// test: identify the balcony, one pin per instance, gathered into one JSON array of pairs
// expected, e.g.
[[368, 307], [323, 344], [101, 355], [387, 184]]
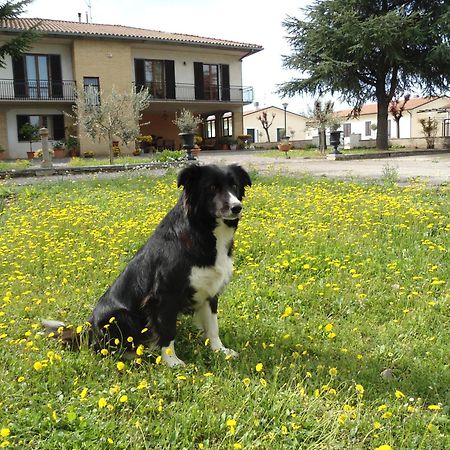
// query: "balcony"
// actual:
[[37, 90], [191, 92]]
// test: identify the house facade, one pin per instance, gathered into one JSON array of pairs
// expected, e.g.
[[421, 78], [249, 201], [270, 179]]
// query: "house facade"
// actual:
[[201, 74], [363, 128], [296, 127]]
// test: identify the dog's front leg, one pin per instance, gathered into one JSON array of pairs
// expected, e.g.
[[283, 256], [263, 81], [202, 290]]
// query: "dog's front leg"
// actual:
[[167, 329], [206, 315]]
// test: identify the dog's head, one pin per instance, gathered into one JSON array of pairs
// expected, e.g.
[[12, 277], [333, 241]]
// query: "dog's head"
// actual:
[[214, 192]]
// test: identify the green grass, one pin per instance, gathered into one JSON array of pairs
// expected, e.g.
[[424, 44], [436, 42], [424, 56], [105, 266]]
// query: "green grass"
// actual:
[[15, 165], [163, 156], [334, 283]]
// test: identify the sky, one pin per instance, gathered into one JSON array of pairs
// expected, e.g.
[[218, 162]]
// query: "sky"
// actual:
[[250, 21]]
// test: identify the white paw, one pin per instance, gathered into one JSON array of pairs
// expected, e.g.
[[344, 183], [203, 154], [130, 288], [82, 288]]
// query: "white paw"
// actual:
[[229, 352], [172, 360]]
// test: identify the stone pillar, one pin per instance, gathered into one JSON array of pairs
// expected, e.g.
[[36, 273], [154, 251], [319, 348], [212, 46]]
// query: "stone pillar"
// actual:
[[46, 157]]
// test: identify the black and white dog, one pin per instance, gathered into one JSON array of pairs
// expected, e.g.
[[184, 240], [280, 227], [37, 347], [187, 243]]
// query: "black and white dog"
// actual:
[[182, 268]]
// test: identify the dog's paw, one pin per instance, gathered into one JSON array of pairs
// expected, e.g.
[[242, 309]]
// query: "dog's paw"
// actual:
[[172, 360], [228, 352]]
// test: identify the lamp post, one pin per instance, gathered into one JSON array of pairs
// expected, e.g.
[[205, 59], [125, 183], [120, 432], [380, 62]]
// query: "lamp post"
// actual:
[[285, 105]]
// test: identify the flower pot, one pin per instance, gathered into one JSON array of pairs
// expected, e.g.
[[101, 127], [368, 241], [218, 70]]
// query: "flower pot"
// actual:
[[187, 139], [30, 155], [58, 153]]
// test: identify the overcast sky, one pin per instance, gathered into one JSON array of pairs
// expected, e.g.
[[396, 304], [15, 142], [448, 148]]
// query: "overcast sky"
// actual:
[[251, 21]]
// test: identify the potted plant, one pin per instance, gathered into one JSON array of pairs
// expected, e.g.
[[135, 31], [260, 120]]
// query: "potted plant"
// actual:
[[197, 149], [144, 142], [29, 133], [187, 122], [285, 146], [223, 142], [72, 146], [58, 149]]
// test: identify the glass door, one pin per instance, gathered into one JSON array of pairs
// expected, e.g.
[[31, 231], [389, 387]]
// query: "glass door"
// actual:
[[37, 76]]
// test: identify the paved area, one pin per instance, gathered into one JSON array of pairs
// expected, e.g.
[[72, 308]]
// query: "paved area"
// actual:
[[434, 169]]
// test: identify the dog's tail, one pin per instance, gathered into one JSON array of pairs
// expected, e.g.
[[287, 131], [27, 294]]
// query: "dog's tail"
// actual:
[[69, 336]]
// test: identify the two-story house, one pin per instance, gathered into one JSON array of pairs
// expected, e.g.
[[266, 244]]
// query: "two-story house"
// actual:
[[201, 74]]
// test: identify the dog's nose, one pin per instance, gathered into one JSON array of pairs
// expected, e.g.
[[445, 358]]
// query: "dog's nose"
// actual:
[[236, 209]]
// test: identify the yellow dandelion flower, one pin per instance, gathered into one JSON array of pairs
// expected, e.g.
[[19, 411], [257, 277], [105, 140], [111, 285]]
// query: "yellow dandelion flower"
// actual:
[[158, 359], [259, 367], [83, 393], [123, 399], [110, 441], [328, 327], [104, 351], [140, 350], [120, 365], [142, 384], [246, 381], [399, 394], [263, 382], [102, 402], [79, 329], [333, 371], [377, 425], [38, 366], [237, 446], [5, 432], [359, 389], [342, 419], [208, 374], [231, 423], [20, 379], [287, 312], [130, 339], [384, 447], [434, 407], [169, 351]]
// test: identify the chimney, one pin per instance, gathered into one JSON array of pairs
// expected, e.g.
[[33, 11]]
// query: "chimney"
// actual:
[[79, 17]]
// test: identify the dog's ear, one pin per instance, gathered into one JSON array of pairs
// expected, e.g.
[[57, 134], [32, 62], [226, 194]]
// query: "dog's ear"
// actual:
[[189, 175], [241, 175]]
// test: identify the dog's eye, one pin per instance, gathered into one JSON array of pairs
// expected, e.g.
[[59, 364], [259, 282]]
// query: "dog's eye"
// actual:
[[234, 187], [213, 188]]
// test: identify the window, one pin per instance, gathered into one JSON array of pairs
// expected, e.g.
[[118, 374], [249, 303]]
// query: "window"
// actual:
[[158, 76], [210, 127], [251, 133], [280, 134], [37, 76], [368, 129], [212, 81], [227, 124], [92, 90], [54, 124], [347, 129]]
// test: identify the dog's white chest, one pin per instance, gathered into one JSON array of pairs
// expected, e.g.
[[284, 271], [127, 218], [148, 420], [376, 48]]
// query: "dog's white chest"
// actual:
[[210, 281]]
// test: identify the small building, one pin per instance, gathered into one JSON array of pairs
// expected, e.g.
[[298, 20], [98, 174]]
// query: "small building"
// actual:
[[295, 124], [409, 126]]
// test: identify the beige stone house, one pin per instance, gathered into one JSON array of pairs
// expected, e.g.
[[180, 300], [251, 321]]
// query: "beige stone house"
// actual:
[[295, 125], [181, 71]]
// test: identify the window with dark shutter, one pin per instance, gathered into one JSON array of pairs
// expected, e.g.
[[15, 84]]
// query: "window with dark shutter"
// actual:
[[225, 82], [170, 78], [58, 127], [56, 76], [139, 74], [21, 121], [18, 66], [198, 76]]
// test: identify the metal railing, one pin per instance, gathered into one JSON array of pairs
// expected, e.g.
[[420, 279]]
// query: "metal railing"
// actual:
[[187, 92], [37, 90]]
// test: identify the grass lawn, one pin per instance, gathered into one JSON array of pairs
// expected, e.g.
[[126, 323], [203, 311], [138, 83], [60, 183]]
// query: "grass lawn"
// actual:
[[335, 283]]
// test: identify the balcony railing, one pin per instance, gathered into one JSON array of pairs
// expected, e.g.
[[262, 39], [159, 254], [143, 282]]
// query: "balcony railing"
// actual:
[[189, 92], [38, 90]]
